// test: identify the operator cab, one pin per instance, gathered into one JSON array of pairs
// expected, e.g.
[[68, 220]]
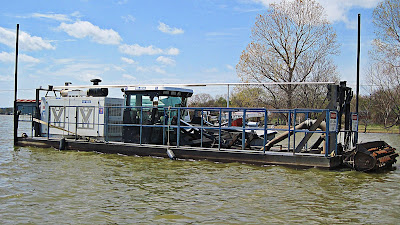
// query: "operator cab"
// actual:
[[149, 105], [157, 96]]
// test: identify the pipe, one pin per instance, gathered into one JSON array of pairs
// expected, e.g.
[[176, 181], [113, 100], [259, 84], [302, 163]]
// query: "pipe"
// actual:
[[304, 125]]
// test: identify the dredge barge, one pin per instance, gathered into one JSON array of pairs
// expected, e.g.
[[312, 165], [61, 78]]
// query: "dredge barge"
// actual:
[[155, 121]]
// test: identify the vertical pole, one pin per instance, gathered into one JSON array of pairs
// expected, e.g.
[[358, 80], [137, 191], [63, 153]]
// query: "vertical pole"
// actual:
[[201, 125], [306, 118], [37, 115], [76, 122], [294, 131], [141, 125], [163, 137], [15, 90], [106, 113], [229, 118], [48, 123], [289, 125], [32, 115], [169, 123], [178, 130], [227, 102], [358, 63], [265, 128], [358, 71], [327, 133], [244, 129], [219, 129]]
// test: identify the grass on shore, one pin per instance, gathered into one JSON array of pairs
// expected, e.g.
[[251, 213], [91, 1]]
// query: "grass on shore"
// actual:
[[374, 128]]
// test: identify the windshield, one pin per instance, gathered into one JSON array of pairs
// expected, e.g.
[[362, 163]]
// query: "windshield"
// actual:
[[163, 101]]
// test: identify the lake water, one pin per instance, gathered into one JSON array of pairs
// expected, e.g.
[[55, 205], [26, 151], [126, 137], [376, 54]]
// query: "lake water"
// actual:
[[47, 186]]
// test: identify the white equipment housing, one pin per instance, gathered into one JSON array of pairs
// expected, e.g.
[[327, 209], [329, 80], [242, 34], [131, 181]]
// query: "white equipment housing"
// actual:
[[82, 115]]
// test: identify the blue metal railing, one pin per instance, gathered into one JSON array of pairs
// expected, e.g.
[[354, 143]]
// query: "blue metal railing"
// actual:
[[226, 115]]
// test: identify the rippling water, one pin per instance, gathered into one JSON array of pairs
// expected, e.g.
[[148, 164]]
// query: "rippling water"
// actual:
[[47, 186]]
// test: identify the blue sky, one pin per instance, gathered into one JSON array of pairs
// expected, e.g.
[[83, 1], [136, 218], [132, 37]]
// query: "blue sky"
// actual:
[[148, 42]]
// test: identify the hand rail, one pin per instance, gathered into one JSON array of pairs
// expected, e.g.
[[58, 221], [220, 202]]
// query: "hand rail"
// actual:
[[221, 114]]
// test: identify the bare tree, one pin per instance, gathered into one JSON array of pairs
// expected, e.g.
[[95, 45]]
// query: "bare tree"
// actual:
[[201, 100], [290, 41], [366, 108], [385, 71], [386, 18], [206, 100], [315, 96], [386, 80]]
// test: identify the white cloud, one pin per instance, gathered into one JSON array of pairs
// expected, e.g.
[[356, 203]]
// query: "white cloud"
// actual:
[[118, 68], [76, 14], [265, 2], [337, 10], [230, 67], [129, 77], [82, 29], [128, 18], [82, 71], [6, 78], [159, 70], [137, 50], [128, 60], [53, 16], [26, 41], [88, 76], [171, 51], [122, 2], [6, 57], [64, 61], [165, 60], [34, 76], [169, 30], [211, 70], [10, 57], [29, 59], [152, 69]]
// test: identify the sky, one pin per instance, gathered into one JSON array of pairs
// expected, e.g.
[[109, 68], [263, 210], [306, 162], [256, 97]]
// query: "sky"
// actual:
[[149, 42]]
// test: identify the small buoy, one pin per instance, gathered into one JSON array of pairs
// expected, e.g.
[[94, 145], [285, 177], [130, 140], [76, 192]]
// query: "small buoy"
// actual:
[[24, 135], [170, 154], [62, 144]]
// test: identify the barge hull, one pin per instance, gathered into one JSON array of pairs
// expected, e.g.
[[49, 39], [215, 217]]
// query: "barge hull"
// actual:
[[223, 155]]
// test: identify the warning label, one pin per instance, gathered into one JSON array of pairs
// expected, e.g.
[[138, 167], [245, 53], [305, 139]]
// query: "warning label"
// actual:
[[354, 122], [332, 121]]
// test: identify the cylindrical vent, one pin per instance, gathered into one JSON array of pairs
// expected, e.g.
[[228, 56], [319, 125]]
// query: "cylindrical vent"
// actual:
[[97, 92], [64, 93], [95, 81]]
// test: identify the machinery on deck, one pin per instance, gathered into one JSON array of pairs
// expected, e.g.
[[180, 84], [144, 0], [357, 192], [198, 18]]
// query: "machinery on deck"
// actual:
[[159, 106], [368, 156], [376, 155], [157, 115]]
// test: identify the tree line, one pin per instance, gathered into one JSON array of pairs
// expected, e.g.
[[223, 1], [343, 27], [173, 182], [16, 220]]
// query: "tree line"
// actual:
[[294, 42], [383, 105], [6, 111]]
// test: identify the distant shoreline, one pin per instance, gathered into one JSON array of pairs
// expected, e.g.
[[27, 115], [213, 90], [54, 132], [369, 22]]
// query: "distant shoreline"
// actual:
[[6, 111]]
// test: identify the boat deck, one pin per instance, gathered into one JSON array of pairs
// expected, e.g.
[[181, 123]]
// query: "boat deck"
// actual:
[[184, 152]]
